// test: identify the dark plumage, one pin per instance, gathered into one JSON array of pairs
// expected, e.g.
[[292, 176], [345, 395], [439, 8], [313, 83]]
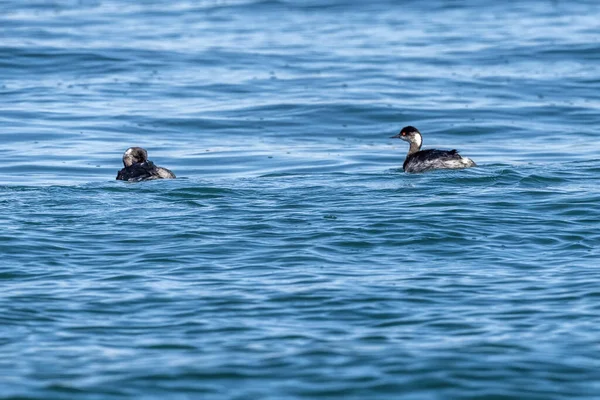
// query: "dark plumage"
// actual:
[[425, 155], [138, 168]]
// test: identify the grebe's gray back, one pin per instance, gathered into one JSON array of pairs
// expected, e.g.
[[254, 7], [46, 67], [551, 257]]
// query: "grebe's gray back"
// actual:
[[137, 167], [418, 160]]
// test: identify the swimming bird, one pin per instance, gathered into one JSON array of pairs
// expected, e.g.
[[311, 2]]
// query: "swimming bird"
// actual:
[[138, 168], [418, 160]]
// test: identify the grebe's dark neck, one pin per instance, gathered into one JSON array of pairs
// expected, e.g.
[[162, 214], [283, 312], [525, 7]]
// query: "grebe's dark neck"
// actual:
[[414, 147], [415, 143]]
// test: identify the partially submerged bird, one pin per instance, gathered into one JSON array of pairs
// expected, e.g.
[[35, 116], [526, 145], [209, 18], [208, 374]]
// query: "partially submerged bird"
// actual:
[[138, 168], [418, 160]]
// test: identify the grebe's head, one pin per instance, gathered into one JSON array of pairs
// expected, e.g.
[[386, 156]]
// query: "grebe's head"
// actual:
[[410, 134], [134, 155]]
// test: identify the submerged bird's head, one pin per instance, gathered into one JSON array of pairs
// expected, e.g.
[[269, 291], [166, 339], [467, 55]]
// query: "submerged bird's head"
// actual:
[[411, 135], [134, 155]]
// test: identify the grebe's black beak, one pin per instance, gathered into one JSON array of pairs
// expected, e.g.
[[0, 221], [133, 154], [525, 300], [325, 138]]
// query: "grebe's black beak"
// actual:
[[398, 136]]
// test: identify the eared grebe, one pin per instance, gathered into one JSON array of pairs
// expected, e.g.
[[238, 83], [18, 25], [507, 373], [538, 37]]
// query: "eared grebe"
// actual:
[[138, 168], [418, 160]]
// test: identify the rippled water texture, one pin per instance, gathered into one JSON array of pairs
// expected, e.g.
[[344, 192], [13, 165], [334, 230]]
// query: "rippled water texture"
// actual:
[[292, 257]]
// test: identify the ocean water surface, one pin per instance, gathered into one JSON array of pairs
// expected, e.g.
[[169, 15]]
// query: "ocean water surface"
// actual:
[[292, 258]]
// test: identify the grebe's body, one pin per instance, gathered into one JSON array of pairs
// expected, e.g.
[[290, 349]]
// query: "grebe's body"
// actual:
[[138, 168], [418, 160]]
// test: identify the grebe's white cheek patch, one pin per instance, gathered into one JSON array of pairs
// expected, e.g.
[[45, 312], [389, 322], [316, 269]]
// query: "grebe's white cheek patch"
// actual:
[[418, 140], [128, 152]]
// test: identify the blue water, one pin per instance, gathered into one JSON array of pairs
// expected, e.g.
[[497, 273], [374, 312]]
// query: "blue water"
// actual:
[[292, 258]]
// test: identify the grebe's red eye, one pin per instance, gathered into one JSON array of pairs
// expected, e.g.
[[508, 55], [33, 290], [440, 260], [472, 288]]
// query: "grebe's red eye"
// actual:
[[403, 133]]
